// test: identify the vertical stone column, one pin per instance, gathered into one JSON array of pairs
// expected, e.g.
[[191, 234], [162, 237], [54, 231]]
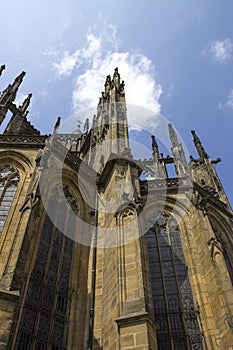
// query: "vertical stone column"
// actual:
[[137, 328]]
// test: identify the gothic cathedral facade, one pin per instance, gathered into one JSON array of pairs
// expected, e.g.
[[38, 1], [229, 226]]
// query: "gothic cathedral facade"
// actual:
[[102, 251]]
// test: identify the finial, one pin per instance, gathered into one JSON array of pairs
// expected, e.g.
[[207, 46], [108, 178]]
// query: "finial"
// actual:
[[116, 78], [107, 84], [56, 126], [2, 69], [200, 149], [25, 104]]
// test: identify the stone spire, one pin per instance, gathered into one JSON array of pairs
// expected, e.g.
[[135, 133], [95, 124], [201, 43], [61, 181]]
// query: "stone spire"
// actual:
[[18, 81], [113, 89], [178, 153], [173, 136], [86, 126], [155, 147], [110, 125], [200, 149], [8, 96], [159, 167]]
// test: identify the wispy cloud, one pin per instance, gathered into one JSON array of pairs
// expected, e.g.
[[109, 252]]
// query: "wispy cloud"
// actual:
[[221, 51], [229, 102], [98, 58]]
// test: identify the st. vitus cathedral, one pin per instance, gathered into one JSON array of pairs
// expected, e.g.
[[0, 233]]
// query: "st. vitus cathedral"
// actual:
[[100, 250]]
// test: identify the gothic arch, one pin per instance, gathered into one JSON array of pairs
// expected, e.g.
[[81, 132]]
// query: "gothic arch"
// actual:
[[17, 158], [20, 168]]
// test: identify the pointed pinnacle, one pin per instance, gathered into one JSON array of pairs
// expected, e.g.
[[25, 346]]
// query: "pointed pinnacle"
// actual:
[[86, 125], [200, 149], [116, 77], [25, 104], [17, 82], [173, 136], [56, 126], [155, 147], [20, 77], [2, 69]]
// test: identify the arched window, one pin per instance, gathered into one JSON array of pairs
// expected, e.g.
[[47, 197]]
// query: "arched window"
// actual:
[[171, 291], [44, 318], [9, 179]]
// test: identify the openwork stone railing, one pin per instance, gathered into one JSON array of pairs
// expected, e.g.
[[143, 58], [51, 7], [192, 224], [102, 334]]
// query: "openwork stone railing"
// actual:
[[172, 183], [25, 141]]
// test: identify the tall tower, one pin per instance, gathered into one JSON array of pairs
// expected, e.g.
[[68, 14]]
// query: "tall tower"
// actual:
[[95, 256]]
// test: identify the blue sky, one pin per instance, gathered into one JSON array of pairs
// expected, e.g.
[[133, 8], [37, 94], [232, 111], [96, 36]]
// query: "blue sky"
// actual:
[[176, 57]]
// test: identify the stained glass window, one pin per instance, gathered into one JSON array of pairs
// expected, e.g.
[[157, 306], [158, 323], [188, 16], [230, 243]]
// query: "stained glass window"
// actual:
[[171, 290], [9, 179], [44, 319]]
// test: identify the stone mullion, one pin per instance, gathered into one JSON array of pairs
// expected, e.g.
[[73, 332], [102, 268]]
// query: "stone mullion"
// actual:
[[178, 289], [164, 287]]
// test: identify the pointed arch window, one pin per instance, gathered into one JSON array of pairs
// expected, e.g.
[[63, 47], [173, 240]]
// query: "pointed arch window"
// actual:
[[9, 179], [48, 299], [171, 290]]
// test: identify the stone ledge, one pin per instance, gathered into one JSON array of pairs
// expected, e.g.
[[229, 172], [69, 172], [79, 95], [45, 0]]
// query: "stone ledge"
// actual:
[[9, 295], [136, 318]]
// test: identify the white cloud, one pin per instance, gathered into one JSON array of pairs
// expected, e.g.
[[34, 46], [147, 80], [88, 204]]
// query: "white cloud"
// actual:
[[43, 94], [98, 58], [222, 51], [229, 102], [73, 60]]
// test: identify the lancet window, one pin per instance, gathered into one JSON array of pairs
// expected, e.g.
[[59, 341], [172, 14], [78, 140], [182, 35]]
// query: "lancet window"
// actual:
[[9, 179], [44, 319], [171, 290]]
